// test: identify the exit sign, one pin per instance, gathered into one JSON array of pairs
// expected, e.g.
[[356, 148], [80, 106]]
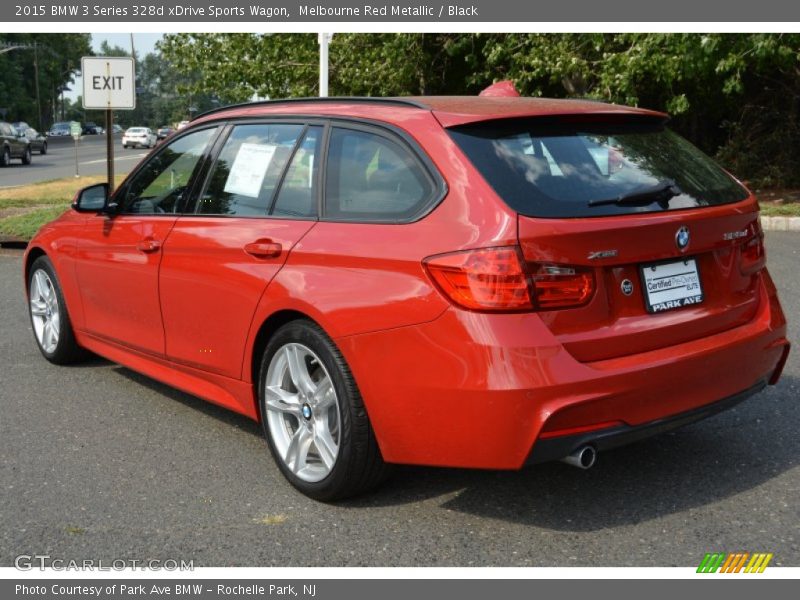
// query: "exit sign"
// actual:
[[108, 82]]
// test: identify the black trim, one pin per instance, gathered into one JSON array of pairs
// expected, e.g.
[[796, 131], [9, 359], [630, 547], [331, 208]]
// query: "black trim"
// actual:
[[555, 448], [322, 176], [317, 100], [209, 160], [286, 167], [386, 130]]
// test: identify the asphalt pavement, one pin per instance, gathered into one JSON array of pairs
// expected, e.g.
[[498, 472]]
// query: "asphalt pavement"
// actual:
[[98, 462], [60, 161]]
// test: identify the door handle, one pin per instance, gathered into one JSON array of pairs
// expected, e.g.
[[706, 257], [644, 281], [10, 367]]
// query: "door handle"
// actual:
[[263, 249], [148, 245]]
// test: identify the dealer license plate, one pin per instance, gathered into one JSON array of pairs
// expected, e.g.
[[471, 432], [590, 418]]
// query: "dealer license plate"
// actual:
[[671, 285]]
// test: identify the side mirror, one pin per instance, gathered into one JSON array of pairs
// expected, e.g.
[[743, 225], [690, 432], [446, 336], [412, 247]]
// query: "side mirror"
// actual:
[[93, 199]]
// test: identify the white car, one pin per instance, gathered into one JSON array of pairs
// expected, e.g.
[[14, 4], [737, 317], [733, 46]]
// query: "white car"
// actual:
[[139, 136], [183, 124], [59, 130]]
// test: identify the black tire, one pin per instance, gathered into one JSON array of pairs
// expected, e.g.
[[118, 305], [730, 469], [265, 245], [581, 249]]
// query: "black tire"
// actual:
[[5, 158], [359, 466], [67, 350], [43, 149], [27, 156]]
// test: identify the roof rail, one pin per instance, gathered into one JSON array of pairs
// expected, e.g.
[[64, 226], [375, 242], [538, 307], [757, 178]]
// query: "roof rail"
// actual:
[[360, 99]]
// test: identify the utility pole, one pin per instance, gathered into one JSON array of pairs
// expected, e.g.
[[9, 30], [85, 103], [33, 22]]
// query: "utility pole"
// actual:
[[323, 39], [36, 80]]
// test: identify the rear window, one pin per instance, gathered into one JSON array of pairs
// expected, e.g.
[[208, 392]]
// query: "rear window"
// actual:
[[583, 170]]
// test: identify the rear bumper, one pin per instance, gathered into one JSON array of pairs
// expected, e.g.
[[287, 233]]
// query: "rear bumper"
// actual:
[[485, 390], [555, 448]]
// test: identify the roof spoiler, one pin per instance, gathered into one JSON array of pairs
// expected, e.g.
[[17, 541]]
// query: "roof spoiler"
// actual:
[[501, 89]]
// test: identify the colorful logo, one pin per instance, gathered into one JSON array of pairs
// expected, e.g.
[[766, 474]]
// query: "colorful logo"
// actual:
[[721, 562]]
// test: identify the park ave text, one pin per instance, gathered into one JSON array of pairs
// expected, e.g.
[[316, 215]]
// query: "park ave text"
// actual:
[[177, 589], [255, 11]]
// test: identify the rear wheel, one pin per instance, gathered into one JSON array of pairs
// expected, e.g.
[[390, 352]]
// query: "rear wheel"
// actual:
[[27, 156], [5, 157], [314, 418], [49, 319], [44, 148]]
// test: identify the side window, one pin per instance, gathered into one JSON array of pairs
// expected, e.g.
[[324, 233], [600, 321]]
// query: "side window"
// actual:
[[160, 186], [298, 194], [248, 169], [371, 177]]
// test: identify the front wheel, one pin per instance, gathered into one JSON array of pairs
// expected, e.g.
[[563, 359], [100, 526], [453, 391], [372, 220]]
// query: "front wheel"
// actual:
[[5, 158], [44, 149], [27, 156], [314, 418], [49, 319]]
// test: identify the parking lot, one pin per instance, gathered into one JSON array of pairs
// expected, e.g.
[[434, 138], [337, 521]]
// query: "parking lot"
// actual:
[[98, 462], [60, 161]]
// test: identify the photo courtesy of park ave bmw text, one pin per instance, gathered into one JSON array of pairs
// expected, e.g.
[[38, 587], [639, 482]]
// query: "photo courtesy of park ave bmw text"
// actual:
[[343, 299]]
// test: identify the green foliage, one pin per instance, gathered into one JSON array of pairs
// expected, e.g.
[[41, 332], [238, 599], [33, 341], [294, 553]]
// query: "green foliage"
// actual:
[[58, 56], [25, 225], [734, 95]]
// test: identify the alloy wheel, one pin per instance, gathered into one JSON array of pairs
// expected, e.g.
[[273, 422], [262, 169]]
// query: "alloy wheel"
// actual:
[[303, 415], [45, 314]]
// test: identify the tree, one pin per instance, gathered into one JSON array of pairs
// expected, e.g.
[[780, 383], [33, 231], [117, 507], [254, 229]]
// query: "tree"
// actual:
[[57, 56], [736, 95]]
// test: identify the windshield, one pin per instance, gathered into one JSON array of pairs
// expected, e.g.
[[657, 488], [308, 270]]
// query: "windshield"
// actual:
[[584, 170], [136, 130]]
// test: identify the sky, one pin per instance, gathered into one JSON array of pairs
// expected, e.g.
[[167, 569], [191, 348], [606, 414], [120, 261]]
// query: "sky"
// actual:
[[144, 43]]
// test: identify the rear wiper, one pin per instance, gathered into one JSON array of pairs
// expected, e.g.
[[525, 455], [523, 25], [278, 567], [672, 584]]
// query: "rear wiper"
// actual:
[[660, 192]]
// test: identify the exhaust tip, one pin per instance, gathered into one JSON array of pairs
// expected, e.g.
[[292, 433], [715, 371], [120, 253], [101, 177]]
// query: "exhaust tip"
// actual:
[[583, 458]]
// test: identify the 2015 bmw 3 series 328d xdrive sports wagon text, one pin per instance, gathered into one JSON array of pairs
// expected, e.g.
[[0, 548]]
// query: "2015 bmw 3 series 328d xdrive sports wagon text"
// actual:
[[484, 282]]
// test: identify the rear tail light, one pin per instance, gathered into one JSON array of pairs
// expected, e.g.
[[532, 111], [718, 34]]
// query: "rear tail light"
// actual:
[[498, 279], [752, 253], [558, 286]]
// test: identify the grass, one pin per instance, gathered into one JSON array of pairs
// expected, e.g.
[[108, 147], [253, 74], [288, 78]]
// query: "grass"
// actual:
[[789, 209], [25, 208], [25, 225]]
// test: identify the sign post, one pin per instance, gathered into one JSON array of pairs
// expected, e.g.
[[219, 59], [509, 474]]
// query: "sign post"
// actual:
[[75, 132], [109, 83]]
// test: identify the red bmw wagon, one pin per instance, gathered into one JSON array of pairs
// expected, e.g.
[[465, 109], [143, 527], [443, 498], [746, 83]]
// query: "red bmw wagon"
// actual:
[[484, 282]]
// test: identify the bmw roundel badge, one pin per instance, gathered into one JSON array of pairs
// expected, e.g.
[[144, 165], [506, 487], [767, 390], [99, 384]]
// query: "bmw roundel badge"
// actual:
[[682, 238]]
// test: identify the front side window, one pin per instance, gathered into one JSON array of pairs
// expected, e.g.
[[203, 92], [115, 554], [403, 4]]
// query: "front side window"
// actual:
[[248, 170], [371, 177], [162, 184]]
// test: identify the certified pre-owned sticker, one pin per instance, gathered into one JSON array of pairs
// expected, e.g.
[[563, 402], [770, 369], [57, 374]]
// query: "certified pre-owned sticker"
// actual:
[[671, 285]]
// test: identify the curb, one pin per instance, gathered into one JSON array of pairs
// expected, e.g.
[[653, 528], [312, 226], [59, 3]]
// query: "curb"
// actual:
[[780, 223], [7, 241]]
